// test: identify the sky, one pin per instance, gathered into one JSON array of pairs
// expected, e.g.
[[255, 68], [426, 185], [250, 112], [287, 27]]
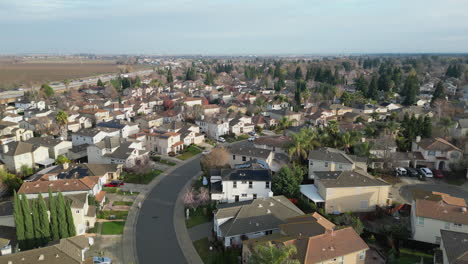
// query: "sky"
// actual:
[[233, 27]]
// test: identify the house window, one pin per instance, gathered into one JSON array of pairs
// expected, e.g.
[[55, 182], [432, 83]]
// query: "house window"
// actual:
[[457, 225], [244, 158], [250, 185], [267, 185], [77, 211], [254, 196], [311, 163], [234, 184], [362, 255], [364, 204], [431, 153], [454, 155], [233, 157], [326, 164], [447, 225], [340, 166], [244, 182], [420, 220], [244, 195]]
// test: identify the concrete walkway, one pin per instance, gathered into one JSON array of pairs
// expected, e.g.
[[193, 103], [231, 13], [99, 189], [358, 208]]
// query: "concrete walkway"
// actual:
[[201, 231], [129, 250]]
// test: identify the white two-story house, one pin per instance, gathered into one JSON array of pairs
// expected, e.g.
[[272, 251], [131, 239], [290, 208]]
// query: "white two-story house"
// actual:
[[433, 212], [435, 153], [213, 127], [234, 185]]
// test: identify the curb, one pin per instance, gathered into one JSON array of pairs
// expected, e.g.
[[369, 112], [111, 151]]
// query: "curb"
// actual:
[[129, 238], [183, 237]]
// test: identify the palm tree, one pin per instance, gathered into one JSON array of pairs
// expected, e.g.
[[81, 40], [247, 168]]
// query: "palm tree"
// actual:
[[261, 103], [311, 138], [284, 123], [348, 140], [446, 123], [62, 121], [298, 147], [391, 128], [374, 115], [271, 254]]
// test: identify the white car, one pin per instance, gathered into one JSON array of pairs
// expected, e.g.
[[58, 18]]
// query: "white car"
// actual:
[[251, 139], [102, 260], [221, 139], [426, 172], [400, 171]]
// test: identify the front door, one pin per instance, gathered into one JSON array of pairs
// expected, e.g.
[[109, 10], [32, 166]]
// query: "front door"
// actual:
[[236, 198]]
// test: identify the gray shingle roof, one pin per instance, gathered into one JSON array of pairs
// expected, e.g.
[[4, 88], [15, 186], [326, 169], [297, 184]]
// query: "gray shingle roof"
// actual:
[[456, 246], [246, 175], [330, 154], [337, 179]]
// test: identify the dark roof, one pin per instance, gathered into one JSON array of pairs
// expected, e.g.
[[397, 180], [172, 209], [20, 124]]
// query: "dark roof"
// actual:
[[330, 154], [274, 141], [77, 171], [118, 124], [436, 144], [250, 151], [456, 246], [45, 141], [217, 187], [246, 175], [337, 179]]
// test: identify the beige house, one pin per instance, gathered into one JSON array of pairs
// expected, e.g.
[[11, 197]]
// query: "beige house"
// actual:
[[149, 121], [316, 241], [242, 154], [347, 191], [55, 146], [164, 143], [432, 212], [435, 153], [330, 159], [16, 154]]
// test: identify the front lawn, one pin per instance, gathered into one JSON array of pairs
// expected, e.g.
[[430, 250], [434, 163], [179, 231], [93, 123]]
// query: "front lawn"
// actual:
[[112, 215], [140, 178], [217, 255], [113, 228], [125, 203], [189, 152], [198, 217], [231, 139]]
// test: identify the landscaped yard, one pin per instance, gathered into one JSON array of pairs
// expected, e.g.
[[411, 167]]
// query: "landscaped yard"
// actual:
[[189, 152], [118, 191], [214, 256], [112, 215], [140, 178], [197, 217], [231, 139], [163, 161], [113, 228], [126, 203]]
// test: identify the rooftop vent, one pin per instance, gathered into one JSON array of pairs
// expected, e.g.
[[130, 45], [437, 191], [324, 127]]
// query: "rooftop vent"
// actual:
[[260, 205], [268, 211], [463, 209], [271, 204], [41, 257]]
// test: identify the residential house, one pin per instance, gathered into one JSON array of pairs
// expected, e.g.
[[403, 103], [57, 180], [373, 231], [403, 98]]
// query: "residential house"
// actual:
[[347, 191], [329, 159], [295, 117], [235, 185], [96, 115], [113, 150], [190, 101], [317, 241], [55, 146], [25, 104], [149, 121], [93, 135], [17, 154], [454, 247], [252, 219], [240, 153], [211, 109], [461, 129], [432, 212], [213, 127], [66, 251], [126, 128], [241, 125], [277, 144], [435, 153], [165, 143]]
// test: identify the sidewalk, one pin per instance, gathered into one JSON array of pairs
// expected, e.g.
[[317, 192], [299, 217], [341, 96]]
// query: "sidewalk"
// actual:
[[128, 240], [200, 231]]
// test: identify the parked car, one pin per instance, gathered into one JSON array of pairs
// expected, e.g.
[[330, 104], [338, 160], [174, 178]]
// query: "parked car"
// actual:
[[114, 184], [102, 260], [252, 133], [221, 139], [400, 171], [437, 174], [251, 139], [426, 172], [171, 154], [411, 172]]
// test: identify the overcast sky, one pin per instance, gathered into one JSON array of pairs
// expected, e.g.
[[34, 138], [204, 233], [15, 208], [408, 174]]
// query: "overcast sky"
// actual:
[[233, 26]]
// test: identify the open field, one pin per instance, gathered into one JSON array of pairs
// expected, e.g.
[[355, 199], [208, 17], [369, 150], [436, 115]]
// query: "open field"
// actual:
[[14, 73]]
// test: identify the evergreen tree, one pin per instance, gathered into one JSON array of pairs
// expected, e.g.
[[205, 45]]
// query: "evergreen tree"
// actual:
[[37, 223], [169, 77], [411, 89], [54, 224], [61, 216], [373, 91], [298, 75], [47, 90], [70, 223], [100, 83], [361, 84], [28, 223], [44, 219], [190, 75], [19, 221], [438, 92], [427, 127]]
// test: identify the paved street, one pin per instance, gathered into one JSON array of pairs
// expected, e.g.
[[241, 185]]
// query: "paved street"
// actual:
[[405, 191], [155, 233]]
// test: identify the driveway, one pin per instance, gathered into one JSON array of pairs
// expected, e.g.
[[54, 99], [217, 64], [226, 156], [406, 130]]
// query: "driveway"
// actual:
[[155, 234], [405, 191]]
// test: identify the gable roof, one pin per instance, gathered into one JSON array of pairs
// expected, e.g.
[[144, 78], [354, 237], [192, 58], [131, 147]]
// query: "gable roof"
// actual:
[[246, 175], [340, 179], [330, 154], [441, 206], [436, 144], [456, 246], [71, 185]]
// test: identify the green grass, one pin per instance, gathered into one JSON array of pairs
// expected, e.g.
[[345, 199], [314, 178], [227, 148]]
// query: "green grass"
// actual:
[[199, 217], [113, 228], [229, 256], [140, 178], [230, 139], [118, 191], [94, 229], [118, 215], [189, 152], [409, 256], [167, 162], [122, 203]]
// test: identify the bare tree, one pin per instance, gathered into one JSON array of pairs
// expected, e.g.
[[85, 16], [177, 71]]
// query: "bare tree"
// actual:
[[218, 158]]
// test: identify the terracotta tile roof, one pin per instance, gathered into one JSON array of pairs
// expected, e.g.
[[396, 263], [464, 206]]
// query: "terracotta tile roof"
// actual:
[[437, 144], [56, 186], [448, 209], [178, 143], [100, 196], [90, 181]]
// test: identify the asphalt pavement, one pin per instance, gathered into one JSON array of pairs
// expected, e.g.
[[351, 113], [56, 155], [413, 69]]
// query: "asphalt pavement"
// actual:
[[156, 240]]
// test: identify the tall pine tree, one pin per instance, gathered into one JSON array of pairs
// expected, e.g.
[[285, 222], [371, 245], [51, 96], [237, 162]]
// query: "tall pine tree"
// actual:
[[373, 91], [61, 216], [38, 235], [438, 92], [19, 221], [169, 77], [70, 223], [44, 220], [54, 224], [28, 223]]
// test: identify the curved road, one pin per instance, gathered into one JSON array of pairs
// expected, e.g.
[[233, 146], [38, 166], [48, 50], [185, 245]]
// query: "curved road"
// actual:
[[156, 240]]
